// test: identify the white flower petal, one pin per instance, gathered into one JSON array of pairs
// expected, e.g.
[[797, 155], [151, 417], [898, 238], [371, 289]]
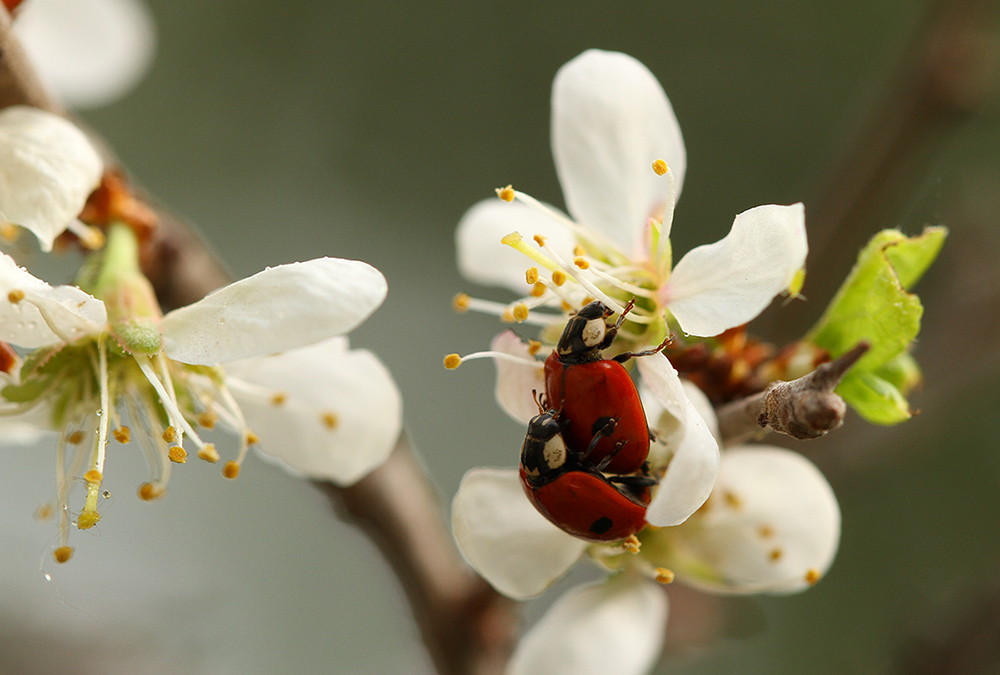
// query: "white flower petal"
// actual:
[[90, 52], [616, 626], [340, 415], [72, 312], [718, 286], [773, 525], [505, 539], [484, 260], [516, 381], [695, 459], [281, 308], [610, 122], [48, 168]]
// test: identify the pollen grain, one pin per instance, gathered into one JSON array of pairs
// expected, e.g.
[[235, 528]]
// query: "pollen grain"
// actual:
[[63, 554]]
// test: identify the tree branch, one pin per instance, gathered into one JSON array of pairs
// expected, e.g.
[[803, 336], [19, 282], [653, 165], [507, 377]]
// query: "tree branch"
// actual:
[[19, 83], [467, 626], [804, 408]]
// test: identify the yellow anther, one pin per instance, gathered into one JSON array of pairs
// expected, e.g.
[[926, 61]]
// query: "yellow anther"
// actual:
[[63, 554], [558, 277], [170, 434], [507, 317], [209, 453], [44, 512], [93, 476], [9, 231], [92, 239], [506, 193], [75, 437], [732, 501], [660, 167], [15, 296], [812, 576], [87, 519], [775, 555], [452, 361], [579, 250], [520, 312], [566, 307], [460, 303], [664, 576], [512, 239], [538, 290], [765, 531], [581, 262], [122, 434], [207, 419], [252, 437], [279, 398], [231, 470], [330, 419], [534, 346], [148, 492], [531, 275], [539, 239], [177, 454], [631, 543]]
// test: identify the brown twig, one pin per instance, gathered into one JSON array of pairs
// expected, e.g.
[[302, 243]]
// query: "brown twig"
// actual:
[[19, 83], [804, 408], [467, 626]]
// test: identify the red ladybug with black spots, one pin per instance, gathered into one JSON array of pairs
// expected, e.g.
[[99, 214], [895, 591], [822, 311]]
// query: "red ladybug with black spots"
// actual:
[[572, 492], [589, 390]]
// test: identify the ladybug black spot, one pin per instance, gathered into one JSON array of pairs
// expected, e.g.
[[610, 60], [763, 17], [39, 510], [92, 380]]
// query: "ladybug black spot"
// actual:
[[601, 525]]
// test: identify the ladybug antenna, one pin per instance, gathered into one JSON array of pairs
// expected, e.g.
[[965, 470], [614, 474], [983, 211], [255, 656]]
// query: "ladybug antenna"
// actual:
[[540, 401]]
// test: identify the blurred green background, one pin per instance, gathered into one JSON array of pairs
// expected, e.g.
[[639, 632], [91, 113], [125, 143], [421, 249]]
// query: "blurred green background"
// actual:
[[291, 130]]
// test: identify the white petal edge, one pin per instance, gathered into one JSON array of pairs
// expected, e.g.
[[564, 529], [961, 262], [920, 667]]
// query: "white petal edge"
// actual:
[[610, 121], [323, 379], [505, 539], [91, 52], [694, 465], [718, 286], [73, 313], [616, 626], [281, 308], [48, 168], [516, 381], [481, 257], [768, 499]]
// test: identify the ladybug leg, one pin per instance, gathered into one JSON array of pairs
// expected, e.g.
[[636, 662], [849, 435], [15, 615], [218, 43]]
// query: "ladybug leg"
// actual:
[[611, 455], [625, 356], [601, 431], [633, 481]]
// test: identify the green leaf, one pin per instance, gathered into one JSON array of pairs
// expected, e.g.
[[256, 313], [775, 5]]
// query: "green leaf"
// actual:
[[874, 304], [873, 398]]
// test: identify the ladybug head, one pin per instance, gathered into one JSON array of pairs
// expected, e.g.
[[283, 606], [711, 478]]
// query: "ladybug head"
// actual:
[[585, 333], [543, 453]]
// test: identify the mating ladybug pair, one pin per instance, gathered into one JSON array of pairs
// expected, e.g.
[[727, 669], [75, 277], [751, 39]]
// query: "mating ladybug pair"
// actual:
[[591, 423]]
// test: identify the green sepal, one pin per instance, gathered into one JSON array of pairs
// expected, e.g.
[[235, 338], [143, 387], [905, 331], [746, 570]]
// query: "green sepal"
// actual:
[[874, 304]]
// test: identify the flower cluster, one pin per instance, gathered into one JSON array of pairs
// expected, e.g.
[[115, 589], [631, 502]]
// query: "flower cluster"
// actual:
[[748, 519], [264, 357]]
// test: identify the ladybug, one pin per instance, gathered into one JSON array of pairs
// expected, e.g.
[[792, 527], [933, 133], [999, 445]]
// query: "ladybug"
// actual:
[[571, 492], [589, 390]]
